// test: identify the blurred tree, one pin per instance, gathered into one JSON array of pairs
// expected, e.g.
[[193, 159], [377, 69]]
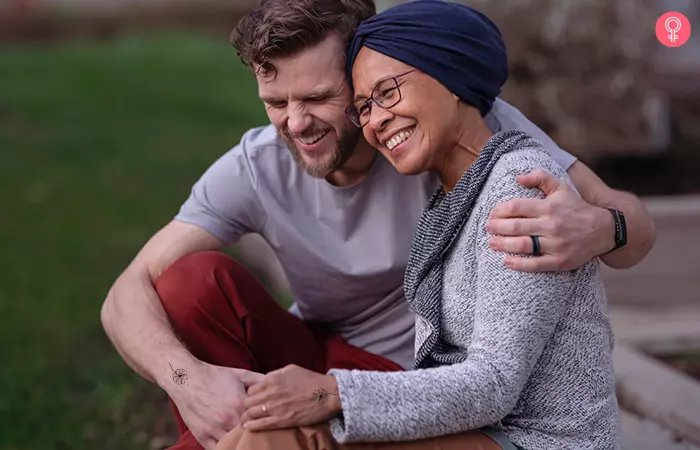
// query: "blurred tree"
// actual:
[[584, 70]]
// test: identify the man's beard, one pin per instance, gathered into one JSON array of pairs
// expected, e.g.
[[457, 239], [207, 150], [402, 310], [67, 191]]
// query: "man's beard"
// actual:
[[341, 152]]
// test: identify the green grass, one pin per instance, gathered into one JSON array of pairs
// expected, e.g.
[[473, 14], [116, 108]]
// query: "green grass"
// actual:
[[99, 143]]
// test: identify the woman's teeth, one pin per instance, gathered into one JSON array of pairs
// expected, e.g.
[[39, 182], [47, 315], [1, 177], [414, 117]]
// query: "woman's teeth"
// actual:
[[309, 140], [399, 138]]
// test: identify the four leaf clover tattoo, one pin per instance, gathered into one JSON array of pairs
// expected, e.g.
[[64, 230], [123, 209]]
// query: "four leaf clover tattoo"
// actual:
[[321, 395], [179, 375]]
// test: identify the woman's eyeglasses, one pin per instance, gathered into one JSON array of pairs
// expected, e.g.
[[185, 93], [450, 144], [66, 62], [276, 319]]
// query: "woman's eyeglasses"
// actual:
[[385, 94]]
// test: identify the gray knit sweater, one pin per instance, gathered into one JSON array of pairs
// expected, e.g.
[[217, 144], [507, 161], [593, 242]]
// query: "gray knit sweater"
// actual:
[[527, 353]]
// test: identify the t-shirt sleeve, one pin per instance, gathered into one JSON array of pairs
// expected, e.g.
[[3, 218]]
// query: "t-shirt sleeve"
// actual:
[[224, 201], [511, 118]]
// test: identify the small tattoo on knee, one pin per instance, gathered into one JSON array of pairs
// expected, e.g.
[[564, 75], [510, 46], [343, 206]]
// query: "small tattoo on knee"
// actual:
[[179, 375], [321, 395]]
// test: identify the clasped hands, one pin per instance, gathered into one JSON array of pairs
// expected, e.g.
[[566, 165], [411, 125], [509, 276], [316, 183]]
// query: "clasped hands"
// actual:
[[216, 399], [290, 397]]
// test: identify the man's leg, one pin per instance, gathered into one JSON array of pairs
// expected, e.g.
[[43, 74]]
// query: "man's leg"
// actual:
[[224, 316]]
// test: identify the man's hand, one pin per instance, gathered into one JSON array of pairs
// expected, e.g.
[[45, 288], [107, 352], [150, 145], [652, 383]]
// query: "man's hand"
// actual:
[[291, 397], [211, 400], [571, 231]]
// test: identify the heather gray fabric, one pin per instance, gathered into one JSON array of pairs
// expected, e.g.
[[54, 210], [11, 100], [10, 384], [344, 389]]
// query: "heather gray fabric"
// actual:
[[529, 354], [344, 249]]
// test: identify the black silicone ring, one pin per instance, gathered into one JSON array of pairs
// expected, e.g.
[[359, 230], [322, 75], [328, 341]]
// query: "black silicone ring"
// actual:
[[535, 246]]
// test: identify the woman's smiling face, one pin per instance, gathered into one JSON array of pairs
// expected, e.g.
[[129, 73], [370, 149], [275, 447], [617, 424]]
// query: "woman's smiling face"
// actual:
[[416, 131]]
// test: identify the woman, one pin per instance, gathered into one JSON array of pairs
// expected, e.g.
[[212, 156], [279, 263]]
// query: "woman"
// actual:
[[522, 357]]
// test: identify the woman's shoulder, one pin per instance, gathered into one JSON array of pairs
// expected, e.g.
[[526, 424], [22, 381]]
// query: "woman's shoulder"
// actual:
[[529, 154], [502, 184]]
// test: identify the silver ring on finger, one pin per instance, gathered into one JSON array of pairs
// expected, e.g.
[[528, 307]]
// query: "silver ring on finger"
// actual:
[[536, 246]]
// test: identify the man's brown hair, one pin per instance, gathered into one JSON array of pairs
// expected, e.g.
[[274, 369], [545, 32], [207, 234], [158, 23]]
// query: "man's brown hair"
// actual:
[[281, 28]]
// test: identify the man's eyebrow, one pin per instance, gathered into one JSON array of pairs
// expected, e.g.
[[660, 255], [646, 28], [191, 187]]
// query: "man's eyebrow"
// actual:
[[322, 93], [271, 99]]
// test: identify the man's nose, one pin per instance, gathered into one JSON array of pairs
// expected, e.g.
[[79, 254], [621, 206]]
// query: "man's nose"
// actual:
[[299, 121]]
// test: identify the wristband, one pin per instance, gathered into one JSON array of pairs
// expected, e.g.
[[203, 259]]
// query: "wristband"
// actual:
[[620, 228]]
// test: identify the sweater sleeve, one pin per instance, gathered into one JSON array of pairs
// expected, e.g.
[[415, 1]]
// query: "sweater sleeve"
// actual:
[[515, 315]]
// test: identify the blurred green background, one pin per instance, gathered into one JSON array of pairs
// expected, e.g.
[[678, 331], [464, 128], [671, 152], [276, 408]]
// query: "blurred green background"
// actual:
[[100, 142]]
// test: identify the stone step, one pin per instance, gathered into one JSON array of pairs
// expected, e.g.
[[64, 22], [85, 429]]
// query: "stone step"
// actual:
[[642, 434], [655, 391]]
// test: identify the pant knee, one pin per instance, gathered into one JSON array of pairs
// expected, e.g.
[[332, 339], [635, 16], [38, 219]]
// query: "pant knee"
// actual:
[[191, 285]]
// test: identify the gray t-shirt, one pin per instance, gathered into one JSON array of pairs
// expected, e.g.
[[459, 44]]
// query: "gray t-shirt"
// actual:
[[344, 249]]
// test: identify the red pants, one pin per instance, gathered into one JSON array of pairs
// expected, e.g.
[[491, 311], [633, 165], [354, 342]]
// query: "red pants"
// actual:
[[224, 316]]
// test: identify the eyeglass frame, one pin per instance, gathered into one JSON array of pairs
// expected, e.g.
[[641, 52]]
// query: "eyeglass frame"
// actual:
[[371, 99]]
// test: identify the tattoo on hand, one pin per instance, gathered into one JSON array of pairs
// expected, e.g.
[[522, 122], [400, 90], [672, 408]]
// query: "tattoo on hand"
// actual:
[[321, 395], [179, 375]]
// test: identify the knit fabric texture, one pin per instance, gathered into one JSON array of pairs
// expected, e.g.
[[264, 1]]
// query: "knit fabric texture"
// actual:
[[529, 354]]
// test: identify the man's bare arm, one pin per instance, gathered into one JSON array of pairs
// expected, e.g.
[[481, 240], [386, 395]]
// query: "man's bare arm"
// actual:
[[641, 231], [572, 228], [211, 400], [132, 314]]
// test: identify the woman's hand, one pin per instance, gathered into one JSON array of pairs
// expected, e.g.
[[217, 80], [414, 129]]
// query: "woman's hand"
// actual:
[[290, 397]]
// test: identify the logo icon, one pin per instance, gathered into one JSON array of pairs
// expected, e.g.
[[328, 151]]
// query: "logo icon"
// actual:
[[673, 29]]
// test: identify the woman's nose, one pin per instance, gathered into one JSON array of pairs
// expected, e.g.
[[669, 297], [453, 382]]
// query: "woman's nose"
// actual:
[[379, 117]]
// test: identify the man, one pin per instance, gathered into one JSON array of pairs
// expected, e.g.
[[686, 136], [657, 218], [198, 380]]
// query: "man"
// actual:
[[341, 221]]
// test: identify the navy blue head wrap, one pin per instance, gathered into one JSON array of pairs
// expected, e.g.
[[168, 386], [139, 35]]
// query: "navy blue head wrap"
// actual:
[[456, 45]]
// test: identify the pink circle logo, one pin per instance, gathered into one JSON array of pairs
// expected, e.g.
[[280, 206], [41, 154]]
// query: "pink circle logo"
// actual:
[[673, 29]]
